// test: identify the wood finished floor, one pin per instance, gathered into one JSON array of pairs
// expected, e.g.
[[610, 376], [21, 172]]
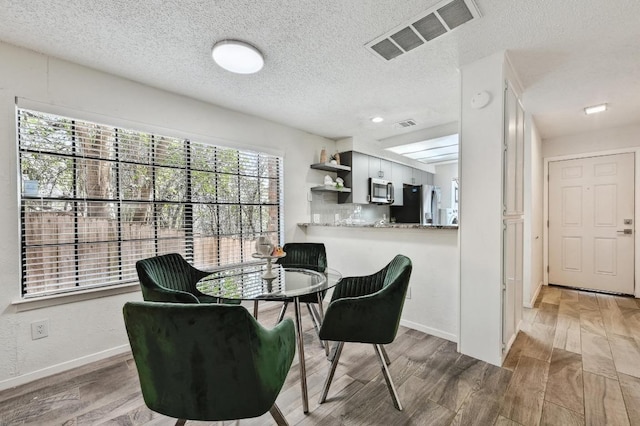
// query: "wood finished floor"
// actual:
[[576, 362]]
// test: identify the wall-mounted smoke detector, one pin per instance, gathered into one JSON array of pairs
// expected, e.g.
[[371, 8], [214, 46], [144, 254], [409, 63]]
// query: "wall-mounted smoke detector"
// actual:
[[405, 123], [440, 19]]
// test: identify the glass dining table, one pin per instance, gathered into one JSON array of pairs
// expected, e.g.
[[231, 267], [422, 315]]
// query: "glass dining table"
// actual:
[[252, 283]]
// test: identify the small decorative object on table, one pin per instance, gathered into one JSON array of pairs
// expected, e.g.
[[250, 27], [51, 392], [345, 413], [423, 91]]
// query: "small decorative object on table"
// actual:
[[328, 180], [266, 250], [339, 183], [323, 156], [264, 245]]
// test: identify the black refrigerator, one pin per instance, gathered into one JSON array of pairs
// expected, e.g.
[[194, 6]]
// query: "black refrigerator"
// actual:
[[409, 212]]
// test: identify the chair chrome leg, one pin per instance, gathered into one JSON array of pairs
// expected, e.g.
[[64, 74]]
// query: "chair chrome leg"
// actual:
[[278, 416], [387, 377], [384, 354], [314, 317], [332, 371], [303, 369], [332, 353], [283, 310], [321, 316], [317, 322], [255, 309]]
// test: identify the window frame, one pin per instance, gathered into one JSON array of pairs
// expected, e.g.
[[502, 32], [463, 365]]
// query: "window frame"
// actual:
[[189, 204]]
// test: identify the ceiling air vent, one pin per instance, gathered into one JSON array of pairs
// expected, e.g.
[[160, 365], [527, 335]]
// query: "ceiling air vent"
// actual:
[[406, 123], [439, 20]]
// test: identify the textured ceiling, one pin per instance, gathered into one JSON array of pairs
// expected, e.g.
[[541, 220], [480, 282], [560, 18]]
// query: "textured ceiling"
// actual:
[[319, 77]]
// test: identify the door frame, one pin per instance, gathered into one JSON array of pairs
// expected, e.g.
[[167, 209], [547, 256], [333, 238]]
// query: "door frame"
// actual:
[[636, 213]]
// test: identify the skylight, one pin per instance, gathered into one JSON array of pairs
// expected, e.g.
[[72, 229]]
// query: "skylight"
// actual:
[[430, 151]]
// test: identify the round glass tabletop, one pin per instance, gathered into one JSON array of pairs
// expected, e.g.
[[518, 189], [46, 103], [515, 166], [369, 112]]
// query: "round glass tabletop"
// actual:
[[248, 282]]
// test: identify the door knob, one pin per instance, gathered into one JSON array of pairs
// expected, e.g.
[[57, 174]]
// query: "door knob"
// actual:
[[626, 231]]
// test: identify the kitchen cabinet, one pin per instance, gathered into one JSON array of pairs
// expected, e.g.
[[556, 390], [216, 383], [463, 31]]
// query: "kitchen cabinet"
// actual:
[[417, 177], [398, 173], [379, 168], [408, 176], [357, 178], [360, 167]]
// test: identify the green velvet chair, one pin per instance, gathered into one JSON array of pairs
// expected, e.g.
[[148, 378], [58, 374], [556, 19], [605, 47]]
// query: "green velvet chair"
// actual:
[[367, 310], [170, 278], [308, 256], [209, 362]]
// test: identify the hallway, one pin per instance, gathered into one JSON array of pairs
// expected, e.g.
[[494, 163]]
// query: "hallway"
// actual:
[[576, 361]]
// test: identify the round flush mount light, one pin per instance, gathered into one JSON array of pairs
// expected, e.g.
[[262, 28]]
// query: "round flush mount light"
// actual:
[[237, 56], [377, 120]]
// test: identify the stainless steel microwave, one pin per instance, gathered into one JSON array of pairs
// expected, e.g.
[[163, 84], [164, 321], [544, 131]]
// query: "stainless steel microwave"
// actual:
[[380, 191]]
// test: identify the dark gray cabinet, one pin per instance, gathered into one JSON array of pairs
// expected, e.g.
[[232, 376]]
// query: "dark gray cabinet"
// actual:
[[357, 178]]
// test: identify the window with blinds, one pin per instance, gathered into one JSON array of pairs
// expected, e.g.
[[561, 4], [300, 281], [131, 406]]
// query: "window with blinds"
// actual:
[[97, 198]]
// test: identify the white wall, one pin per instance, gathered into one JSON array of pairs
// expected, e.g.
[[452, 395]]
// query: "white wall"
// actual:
[[86, 330], [433, 306], [594, 141], [445, 173], [480, 202], [533, 213]]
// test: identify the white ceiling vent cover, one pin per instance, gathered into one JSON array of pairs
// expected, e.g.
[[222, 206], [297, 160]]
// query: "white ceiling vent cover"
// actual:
[[440, 19], [405, 123]]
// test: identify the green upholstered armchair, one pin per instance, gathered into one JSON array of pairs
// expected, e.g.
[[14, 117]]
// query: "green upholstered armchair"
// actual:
[[308, 256], [170, 278], [367, 310], [209, 362]]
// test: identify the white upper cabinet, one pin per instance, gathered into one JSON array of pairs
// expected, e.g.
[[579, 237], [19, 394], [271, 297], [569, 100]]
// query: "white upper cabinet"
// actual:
[[379, 168], [398, 173]]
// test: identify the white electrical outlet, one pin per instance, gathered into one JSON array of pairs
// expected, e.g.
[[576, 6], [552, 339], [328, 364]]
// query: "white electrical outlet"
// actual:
[[39, 329], [408, 295]]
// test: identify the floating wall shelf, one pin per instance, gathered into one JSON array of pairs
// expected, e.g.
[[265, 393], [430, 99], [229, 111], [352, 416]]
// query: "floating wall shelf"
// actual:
[[328, 167], [330, 188]]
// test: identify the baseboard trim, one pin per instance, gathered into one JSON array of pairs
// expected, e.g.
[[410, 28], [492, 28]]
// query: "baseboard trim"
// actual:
[[62, 367], [531, 302], [429, 330]]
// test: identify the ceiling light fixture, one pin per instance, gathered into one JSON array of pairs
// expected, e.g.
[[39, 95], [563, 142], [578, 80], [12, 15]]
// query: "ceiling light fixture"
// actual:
[[377, 120], [595, 109], [237, 56]]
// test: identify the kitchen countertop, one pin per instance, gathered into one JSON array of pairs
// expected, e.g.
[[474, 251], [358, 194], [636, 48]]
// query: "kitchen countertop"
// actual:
[[387, 225]]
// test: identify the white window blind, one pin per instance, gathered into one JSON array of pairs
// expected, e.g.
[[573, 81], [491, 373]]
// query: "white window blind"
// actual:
[[96, 198]]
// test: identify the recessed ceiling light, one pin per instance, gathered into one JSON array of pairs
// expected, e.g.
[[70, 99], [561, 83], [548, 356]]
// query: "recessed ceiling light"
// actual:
[[377, 119], [595, 109], [237, 56]]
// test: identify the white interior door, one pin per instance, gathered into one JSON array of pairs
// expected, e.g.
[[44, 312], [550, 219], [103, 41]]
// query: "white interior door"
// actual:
[[591, 230]]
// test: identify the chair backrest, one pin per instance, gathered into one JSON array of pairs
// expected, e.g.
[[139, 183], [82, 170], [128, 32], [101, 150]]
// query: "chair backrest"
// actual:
[[399, 269], [206, 361], [394, 287], [304, 255], [169, 271], [367, 309]]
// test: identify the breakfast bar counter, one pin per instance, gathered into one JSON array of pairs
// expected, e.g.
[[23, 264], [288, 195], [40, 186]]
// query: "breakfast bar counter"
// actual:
[[383, 226], [431, 305]]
